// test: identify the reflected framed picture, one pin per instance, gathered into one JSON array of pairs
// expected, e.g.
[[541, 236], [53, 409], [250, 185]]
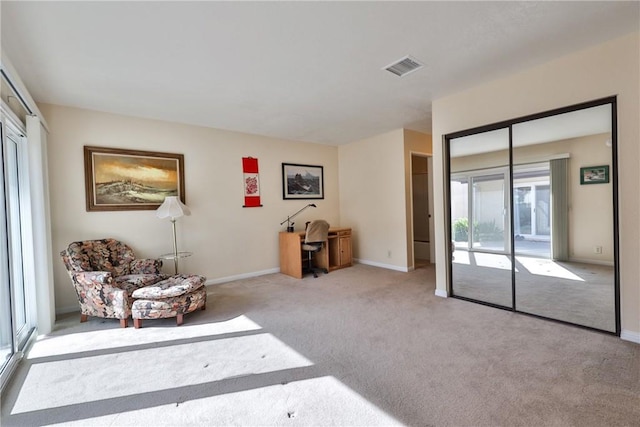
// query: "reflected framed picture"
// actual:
[[302, 181], [594, 175], [120, 180]]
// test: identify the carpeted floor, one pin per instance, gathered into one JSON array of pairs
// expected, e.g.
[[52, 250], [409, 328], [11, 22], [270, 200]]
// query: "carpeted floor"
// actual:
[[359, 346]]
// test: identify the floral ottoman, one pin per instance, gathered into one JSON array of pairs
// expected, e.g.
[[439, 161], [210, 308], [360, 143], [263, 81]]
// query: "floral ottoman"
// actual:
[[172, 297]]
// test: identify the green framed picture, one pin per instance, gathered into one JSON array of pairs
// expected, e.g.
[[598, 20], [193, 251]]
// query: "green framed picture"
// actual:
[[594, 175]]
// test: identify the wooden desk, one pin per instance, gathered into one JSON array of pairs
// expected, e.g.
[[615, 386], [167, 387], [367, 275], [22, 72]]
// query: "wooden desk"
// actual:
[[335, 254]]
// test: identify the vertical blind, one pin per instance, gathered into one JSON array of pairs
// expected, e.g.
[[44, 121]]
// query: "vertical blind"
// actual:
[[559, 209]]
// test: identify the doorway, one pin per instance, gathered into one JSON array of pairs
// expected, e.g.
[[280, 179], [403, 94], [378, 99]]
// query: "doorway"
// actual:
[[421, 212]]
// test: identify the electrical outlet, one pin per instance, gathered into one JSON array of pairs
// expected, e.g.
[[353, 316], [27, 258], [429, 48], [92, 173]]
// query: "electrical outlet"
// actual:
[[597, 249]]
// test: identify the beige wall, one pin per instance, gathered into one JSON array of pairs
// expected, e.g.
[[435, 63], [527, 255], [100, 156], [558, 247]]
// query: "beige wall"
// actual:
[[607, 69], [373, 198], [228, 241], [417, 142]]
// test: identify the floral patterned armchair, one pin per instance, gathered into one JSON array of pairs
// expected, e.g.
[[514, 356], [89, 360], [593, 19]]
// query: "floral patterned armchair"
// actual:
[[105, 273]]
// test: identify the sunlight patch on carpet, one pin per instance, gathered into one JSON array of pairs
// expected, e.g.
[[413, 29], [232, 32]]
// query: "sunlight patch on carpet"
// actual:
[[501, 262], [482, 259], [81, 341], [315, 401], [546, 267], [461, 257], [80, 380]]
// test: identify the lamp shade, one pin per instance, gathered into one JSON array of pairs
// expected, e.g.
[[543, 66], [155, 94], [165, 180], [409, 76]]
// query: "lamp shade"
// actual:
[[172, 208]]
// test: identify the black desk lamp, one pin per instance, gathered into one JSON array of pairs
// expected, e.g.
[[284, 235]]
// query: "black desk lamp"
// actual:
[[290, 217]]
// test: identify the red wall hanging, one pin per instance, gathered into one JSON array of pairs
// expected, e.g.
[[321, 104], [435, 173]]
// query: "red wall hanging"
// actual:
[[251, 183]]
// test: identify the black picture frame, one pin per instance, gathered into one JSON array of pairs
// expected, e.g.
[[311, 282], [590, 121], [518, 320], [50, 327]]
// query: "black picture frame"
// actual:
[[302, 182]]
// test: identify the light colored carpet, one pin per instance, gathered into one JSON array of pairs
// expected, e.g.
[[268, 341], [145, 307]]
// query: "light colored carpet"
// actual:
[[359, 346]]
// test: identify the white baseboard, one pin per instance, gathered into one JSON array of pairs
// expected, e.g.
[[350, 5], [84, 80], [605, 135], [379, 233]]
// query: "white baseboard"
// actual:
[[241, 276], [630, 336], [592, 261], [381, 265], [441, 293]]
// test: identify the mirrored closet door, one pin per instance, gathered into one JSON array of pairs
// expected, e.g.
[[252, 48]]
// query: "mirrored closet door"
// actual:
[[533, 215], [480, 232]]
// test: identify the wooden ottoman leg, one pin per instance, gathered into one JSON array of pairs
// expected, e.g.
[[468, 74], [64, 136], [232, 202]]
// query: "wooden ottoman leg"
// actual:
[[124, 322], [137, 323], [83, 318], [179, 319]]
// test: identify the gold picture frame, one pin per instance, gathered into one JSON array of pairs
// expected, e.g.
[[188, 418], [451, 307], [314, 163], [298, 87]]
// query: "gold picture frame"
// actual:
[[121, 180]]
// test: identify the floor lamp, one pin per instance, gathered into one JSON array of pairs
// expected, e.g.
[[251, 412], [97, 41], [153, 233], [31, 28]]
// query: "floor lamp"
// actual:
[[173, 209]]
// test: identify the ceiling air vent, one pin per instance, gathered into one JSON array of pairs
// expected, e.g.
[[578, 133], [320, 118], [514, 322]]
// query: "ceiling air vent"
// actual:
[[404, 66]]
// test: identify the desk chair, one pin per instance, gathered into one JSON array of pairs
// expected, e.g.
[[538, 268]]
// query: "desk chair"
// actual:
[[315, 236]]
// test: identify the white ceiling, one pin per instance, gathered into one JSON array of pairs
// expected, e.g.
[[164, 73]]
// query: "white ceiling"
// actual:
[[309, 71]]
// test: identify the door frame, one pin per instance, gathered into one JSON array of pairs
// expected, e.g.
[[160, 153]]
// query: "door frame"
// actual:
[[508, 124], [430, 206]]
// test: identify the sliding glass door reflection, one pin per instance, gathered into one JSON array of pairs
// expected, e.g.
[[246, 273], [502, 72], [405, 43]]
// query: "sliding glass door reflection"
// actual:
[[531, 207], [481, 264]]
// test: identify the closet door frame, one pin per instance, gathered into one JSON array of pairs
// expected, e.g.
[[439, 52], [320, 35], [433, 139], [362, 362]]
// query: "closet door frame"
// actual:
[[508, 124]]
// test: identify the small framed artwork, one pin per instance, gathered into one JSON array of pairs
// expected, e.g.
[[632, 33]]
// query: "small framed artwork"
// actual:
[[594, 175], [121, 180], [302, 181]]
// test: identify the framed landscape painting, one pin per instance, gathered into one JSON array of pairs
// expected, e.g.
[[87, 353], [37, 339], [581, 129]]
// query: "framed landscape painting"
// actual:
[[302, 181], [118, 179]]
